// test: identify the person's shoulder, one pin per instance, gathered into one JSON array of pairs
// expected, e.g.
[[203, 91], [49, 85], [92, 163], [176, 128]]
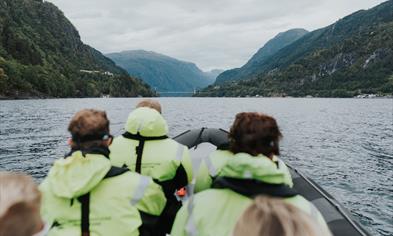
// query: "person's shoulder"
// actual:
[[123, 172], [210, 199], [127, 181], [214, 194], [121, 175], [120, 139], [119, 144], [221, 156]]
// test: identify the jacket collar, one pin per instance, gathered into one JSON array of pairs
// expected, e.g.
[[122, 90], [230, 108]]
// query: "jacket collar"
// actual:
[[261, 168], [94, 150], [251, 188]]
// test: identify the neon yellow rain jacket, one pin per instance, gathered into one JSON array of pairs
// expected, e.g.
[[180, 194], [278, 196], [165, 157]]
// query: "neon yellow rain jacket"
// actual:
[[215, 211], [211, 167], [85, 191], [146, 149], [161, 156]]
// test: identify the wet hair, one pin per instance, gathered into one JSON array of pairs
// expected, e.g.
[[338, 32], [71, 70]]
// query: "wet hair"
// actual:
[[273, 216], [150, 103], [89, 128], [255, 133], [20, 202]]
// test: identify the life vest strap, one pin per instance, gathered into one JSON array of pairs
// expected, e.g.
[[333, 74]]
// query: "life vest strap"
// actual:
[[139, 137], [85, 211], [139, 153], [115, 171], [94, 150], [85, 202], [251, 188], [139, 148]]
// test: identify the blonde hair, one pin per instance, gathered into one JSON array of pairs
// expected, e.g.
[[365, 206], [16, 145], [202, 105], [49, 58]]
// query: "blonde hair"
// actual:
[[20, 202], [269, 216], [150, 103]]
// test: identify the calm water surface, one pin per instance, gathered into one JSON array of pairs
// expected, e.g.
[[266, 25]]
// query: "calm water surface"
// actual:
[[345, 145]]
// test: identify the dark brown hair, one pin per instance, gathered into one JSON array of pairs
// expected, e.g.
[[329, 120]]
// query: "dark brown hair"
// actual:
[[255, 133], [87, 128]]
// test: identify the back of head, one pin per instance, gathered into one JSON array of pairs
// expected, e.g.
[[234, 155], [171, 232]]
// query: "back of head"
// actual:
[[269, 216], [89, 128], [255, 133], [147, 122], [150, 103], [19, 205]]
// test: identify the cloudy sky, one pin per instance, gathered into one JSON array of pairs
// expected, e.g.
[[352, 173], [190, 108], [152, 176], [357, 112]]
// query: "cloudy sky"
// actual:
[[211, 33]]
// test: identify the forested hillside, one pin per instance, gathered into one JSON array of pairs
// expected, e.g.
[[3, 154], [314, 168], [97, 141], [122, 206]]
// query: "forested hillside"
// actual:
[[42, 55], [252, 67], [350, 57]]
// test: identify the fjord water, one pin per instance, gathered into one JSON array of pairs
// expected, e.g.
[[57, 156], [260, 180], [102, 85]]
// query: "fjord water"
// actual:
[[345, 145]]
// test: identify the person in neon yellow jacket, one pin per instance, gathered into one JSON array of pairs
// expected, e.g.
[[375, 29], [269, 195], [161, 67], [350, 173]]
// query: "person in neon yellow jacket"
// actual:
[[145, 148], [211, 166], [84, 194], [254, 140]]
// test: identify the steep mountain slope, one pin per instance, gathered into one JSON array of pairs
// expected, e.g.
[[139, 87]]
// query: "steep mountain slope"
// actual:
[[41, 54], [162, 72], [350, 57], [270, 48]]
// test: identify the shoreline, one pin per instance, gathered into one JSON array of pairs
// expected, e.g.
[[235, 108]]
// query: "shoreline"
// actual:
[[54, 98]]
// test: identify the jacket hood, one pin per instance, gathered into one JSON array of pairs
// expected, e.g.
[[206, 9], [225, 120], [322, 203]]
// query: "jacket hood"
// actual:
[[245, 166], [148, 122], [77, 174]]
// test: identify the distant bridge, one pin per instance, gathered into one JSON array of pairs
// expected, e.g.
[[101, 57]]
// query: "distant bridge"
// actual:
[[168, 92], [179, 93], [176, 93]]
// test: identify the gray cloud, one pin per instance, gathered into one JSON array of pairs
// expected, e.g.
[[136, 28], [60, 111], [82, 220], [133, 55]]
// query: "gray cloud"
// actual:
[[211, 33]]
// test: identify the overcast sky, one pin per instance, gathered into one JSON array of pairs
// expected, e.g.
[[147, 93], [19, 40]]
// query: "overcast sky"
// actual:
[[211, 33]]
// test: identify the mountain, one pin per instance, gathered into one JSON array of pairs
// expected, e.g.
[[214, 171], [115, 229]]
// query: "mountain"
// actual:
[[42, 55], [213, 74], [165, 74], [270, 48], [350, 57]]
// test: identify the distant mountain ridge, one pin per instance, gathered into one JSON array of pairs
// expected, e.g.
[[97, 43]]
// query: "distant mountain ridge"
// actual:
[[213, 74], [350, 57], [162, 72], [270, 48], [42, 55]]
